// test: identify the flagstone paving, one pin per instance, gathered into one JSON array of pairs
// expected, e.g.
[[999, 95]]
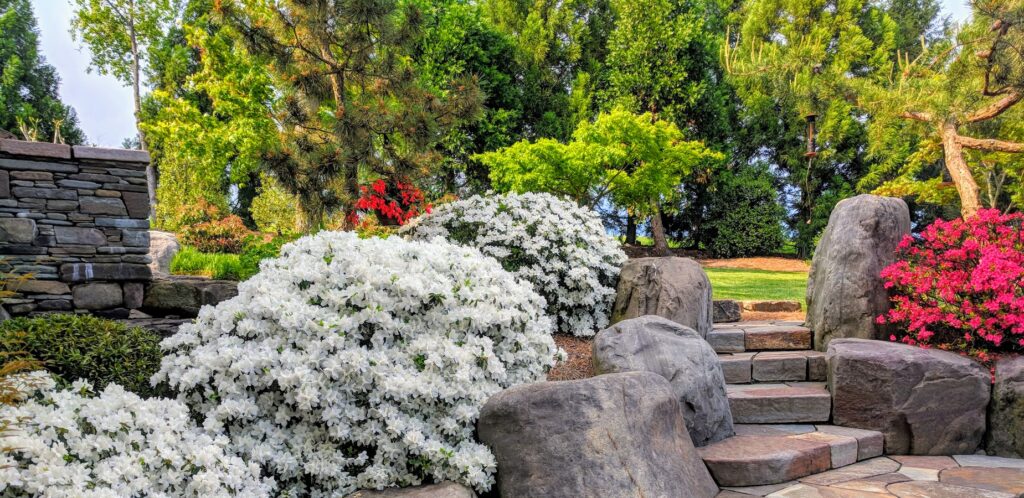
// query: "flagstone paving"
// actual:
[[960, 476]]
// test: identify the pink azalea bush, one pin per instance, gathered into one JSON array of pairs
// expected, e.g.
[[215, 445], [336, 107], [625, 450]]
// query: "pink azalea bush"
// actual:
[[958, 286]]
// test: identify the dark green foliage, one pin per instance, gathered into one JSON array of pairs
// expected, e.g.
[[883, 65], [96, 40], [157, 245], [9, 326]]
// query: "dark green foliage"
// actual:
[[83, 346], [456, 42], [28, 85], [256, 250], [742, 216], [352, 102]]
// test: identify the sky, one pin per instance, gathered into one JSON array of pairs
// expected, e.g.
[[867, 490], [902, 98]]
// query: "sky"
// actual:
[[104, 105]]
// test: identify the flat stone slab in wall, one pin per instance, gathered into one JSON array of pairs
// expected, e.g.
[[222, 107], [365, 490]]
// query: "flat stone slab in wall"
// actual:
[[925, 401], [610, 435], [1006, 411], [679, 354], [673, 288], [184, 296], [845, 292]]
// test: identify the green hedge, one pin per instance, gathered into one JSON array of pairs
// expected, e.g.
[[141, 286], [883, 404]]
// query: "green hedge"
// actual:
[[83, 346]]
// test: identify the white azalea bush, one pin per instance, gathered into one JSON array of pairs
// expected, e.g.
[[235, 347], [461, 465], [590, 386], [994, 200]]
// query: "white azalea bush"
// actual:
[[556, 245], [362, 364], [74, 443]]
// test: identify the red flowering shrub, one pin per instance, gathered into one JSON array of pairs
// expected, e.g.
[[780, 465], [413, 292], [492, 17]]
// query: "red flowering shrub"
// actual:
[[958, 286], [205, 228], [392, 204]]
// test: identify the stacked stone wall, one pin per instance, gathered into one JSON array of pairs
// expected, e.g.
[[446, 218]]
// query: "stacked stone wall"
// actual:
[[76, 219]]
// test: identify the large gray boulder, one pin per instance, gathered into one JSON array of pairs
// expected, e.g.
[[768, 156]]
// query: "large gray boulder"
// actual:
[[845, 292], [679, 354], [610, 435], [924, 401], [1006, 411], [162, 248], [446, 489], [673, 288]]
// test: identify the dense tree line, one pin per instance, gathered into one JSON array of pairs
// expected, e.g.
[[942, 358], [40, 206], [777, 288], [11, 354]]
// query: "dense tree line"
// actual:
[[281, 111], [30, 107]]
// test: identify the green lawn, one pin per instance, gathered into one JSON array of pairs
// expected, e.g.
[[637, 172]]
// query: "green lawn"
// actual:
[[757, 285], [189, 261]]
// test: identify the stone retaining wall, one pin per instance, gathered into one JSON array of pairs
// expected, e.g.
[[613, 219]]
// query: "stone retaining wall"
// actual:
[[76, 218]]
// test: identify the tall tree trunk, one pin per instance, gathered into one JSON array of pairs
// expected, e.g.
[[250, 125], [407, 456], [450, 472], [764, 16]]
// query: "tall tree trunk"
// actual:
[[959, 172], [151, 177], [630, 229], [658, 232]]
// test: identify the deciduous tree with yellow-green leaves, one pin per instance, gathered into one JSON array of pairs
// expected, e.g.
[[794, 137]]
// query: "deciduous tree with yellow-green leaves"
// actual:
[[635, 161]]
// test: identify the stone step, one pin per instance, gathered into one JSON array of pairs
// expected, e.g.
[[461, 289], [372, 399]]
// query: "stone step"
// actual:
[[773, 366], [742, 337], [790, 403], [763, 455]]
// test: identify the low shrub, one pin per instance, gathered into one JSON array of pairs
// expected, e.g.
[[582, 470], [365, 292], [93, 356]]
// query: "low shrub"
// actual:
[[221, 266], [257, 249], [958, 286], [743, 217], [391, 203], [204, 227], [74, 443], [84, 347], [556, 245], [352, 363]]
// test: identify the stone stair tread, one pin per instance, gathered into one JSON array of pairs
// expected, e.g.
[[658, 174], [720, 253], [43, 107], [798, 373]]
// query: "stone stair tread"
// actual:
[[759, 336], [794, 402], [761, 456], [773, 366]]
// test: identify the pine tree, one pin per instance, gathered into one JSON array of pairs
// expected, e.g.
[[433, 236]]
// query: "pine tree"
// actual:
[[791, 59], [352, 104], [29, 103], [959, 101]]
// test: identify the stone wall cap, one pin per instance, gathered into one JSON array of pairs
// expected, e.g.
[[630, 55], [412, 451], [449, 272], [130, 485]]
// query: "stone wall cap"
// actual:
[[105, 154], [35, 149]]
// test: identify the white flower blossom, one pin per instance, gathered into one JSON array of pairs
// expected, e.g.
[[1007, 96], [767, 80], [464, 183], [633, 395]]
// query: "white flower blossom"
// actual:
[[559, 247], [71, 443], [349, 363]]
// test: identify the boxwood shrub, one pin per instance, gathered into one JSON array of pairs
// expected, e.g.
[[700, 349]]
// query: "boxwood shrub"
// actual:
[[85, 347]]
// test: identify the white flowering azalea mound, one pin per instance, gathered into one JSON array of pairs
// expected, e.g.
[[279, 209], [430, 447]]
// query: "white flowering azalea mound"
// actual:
[[556, 245], [73, 443], [362, 364]]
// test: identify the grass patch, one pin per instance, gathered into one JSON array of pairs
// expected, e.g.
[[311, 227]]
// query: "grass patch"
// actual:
[[758, 285], [190, 261]]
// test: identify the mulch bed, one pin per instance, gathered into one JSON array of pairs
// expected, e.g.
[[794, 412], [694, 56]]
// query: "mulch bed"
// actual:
[[579, 364]]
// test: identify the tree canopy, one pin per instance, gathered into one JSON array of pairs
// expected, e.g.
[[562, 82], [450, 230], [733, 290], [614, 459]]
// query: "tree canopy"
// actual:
[[636, 162], [29, 103]]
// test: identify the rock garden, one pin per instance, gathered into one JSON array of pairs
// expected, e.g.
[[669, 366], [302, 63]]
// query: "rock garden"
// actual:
[[462, 249]]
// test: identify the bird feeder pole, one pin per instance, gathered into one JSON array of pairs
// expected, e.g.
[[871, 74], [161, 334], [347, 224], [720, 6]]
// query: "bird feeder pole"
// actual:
[[812, 147]]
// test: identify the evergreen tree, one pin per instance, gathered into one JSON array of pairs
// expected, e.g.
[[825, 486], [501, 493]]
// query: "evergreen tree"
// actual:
[[560, 52], [958, 102], [29, 102], [352, 102], [456, 41], [791, 59]]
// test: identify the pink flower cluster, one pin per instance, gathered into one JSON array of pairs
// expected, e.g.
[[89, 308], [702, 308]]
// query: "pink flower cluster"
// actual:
[[958, 286]]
